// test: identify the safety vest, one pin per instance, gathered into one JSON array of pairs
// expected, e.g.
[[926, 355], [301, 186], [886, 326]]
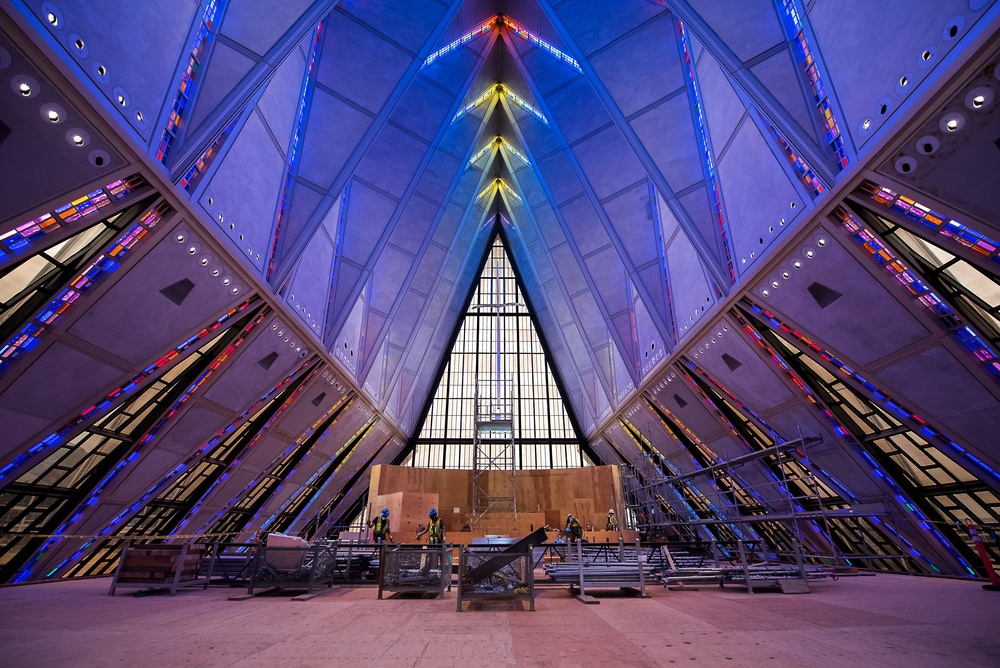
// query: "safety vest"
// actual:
[[381, 526], [435, 531], [612, 523]]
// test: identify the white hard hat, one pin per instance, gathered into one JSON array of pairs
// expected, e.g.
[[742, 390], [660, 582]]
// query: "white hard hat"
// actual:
[[611, 511]]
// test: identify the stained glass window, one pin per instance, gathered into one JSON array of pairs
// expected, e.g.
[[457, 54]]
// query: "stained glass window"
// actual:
[[498, 316]]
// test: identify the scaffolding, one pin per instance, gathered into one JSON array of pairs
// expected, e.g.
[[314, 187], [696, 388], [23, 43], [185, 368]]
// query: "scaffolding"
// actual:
[[494, 506], [674, 508]]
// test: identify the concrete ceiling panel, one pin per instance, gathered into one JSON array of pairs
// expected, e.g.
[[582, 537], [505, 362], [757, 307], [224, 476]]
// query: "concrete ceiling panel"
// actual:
[[309, 291], [226, 68], [156, 322], [246, 200], [59, 381], [631, 215], [886, 325], [668, 135], [438, 177], [414, 224], [780, 76], [748, 28], [609, 162], [280, 101], [757, 194], [594, 23], [584, 225], [577, 110], [359, 64], [393, 175], [608, 273], [423, 108], [333, 131], [934, 383], [368, 213], [388, 278], [866, 58], [688, 285], [408, 24], [261, 364], [142, 68], [41, 159], [643, 68], [347, 343], [242, 22], [737, 366], [722, 107]]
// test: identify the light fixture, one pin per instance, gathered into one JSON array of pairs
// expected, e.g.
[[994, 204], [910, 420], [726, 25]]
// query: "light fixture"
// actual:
[[24, 88], [78, 140], [52, 19], [53, 115], [102, 71], [978, 98], [121, 99], [138, 116]]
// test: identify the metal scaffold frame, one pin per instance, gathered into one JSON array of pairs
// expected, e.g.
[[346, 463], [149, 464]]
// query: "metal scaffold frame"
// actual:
[[657, 503], [493, 461]]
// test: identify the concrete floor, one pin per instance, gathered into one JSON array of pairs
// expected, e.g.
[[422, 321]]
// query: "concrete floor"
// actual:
[[870, 621]]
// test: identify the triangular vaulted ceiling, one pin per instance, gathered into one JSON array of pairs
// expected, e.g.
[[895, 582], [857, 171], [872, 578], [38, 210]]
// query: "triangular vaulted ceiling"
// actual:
[[595, 143], [680, 184]]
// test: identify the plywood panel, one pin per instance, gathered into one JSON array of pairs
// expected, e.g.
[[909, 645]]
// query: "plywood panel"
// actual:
[[543, 498]]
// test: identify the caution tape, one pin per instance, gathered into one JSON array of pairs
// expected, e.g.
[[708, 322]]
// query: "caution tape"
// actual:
[[115, 537]]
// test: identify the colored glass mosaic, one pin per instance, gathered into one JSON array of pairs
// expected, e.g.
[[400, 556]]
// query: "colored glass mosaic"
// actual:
[[104, 264], [796, 30], [952, 229], [20, 239], [295, 147], [481, 29], [190, 80], [529, 36], [706, 148], [802, 169], [916, 286]]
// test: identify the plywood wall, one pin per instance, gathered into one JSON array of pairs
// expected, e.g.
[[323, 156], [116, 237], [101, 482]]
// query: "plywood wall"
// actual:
[[543, 497]]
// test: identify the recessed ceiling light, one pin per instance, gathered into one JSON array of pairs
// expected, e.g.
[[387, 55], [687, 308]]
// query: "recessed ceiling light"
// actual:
[[102, 70], [53, 115], [25, 89], [79, 44], [52, 19], [78, 140]]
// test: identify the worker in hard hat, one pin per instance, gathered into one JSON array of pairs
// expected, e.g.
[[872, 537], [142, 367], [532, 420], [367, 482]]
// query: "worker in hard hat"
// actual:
[[612, 521], [433, 563], [380, 527], [573, 528], [434, 528]]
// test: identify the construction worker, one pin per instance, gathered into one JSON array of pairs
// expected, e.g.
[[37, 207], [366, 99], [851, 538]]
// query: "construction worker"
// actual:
[[434, 529], [573, 528], [612, 520], [380, 527]]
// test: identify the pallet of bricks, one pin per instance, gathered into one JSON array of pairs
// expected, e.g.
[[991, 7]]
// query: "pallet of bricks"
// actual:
[[160, 566]]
